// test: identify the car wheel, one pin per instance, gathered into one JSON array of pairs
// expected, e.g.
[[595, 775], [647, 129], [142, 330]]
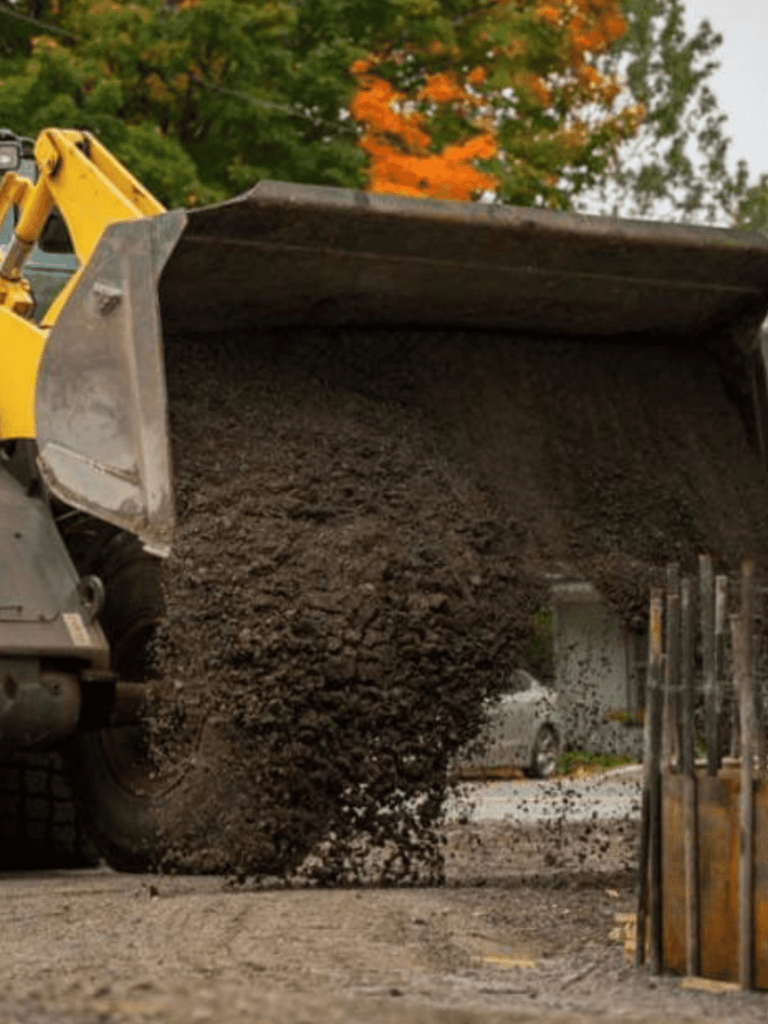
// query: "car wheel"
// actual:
[[546, 751]]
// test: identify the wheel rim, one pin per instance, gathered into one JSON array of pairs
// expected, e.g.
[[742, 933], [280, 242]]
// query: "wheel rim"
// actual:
[[129, 754], [149, 759]]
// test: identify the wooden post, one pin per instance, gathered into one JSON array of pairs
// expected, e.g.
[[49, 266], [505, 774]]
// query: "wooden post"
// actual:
[[759, 749], [642, 884], [671, 732], [743, 657], [707, 614], [650, 811], [687, 685], [688, 770], [652, 780], [759, 726], [746, 805], [725, 696], [721, 615]]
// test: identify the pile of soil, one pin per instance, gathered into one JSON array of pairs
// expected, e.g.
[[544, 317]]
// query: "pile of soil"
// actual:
[[367, 525]]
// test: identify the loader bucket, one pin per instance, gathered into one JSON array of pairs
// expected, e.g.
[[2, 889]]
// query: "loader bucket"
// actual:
[[286, 254], [101, 403]]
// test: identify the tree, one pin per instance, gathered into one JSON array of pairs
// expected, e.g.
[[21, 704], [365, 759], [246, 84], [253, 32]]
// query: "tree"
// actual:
[[585, 104], [676, 166], [499, 96], [750, 201], [594, 106], [200, 98]]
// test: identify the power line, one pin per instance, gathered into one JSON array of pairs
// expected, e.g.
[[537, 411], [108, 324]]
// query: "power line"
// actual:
[[4, 9], [280, 107], [253, 100]]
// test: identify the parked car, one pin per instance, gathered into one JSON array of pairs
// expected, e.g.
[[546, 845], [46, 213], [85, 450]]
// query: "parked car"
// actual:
[[523, 730]]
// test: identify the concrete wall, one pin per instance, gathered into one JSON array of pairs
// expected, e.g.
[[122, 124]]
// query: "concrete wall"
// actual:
[[597, 672]]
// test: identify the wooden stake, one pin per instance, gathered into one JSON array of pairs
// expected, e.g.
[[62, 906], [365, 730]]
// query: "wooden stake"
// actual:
[[740, 632], [642, 886], [721, 614], [725, 695], [652, 781], [759, 749], [690, 791], [742, 636], [648, 831], [707, 613], [688, 641], [671, 733]]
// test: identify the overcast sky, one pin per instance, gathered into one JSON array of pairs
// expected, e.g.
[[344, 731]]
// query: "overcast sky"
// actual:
[[741, 83]]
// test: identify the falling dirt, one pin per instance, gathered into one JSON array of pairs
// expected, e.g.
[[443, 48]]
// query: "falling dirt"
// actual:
[[368, 524]]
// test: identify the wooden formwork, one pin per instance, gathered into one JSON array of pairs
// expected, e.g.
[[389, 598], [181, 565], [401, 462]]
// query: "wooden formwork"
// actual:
[[718, 869], [703, 893]]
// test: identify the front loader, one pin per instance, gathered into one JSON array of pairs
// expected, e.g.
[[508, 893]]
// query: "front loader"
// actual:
[[85, 494], [86, 500]]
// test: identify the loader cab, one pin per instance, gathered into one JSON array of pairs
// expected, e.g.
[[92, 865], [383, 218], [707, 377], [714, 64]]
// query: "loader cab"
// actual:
[[52, 262]]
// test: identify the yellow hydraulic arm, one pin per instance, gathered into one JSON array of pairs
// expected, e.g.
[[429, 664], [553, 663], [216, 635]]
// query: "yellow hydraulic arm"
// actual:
[[91, 190]]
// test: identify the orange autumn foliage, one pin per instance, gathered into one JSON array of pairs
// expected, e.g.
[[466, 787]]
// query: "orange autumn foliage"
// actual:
[[441, 88], [463, 89], [551, 15], [445, 175], [398, 145], [377, 104]]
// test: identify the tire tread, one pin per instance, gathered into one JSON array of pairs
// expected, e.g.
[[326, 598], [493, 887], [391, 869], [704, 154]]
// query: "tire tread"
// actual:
[[39, 826]]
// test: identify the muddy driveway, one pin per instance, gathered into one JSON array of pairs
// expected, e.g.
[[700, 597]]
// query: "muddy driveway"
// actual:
[[537, 941], [98, 946]]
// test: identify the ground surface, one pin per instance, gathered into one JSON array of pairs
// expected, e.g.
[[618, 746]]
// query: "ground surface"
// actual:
[[96, 946]]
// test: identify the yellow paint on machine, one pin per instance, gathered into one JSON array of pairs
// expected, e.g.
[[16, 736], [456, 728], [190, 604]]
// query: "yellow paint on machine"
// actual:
[[21, 346], [92, 190]]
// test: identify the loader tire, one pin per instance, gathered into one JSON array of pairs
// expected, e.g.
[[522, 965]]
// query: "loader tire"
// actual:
[[116, 785], [39, 824]]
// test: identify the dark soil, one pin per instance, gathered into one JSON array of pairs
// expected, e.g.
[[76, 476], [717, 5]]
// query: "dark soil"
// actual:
[[366, 527]]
